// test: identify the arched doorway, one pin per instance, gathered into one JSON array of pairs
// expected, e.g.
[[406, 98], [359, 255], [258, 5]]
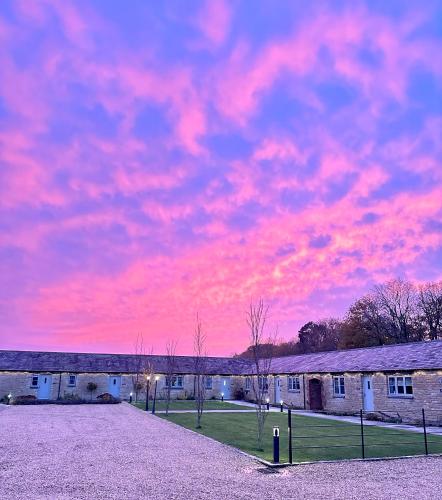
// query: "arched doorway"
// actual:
[[315, 394]]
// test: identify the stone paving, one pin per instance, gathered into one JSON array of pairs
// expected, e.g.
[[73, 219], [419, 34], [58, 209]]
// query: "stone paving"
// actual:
[[119, 452]]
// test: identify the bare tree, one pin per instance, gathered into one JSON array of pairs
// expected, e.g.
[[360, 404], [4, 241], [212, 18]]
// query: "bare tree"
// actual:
[[256, 321], [430, 308], [170, 369], [137, 374], [148, 371], [397, 300], [199, 341]]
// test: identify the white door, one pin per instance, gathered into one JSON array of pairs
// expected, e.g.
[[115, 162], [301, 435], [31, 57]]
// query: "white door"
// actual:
[[115, 385], [225, 387], [367, 390], [44, 386], [277, 383]]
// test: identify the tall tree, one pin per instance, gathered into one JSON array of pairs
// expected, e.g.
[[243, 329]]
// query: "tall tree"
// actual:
[[430, 308], [256, 321], [397, 301], [200, 358]]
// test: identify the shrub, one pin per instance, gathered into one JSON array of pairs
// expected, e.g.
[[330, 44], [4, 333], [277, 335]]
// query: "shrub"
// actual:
[[70, 396], [22, 400], [106, 397], [239, 394]]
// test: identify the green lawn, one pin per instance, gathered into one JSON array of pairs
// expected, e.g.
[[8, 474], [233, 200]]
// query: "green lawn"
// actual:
[[210, 404], [239, 430]]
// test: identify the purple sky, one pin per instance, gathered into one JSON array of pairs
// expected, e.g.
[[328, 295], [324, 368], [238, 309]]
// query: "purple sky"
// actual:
[[163, 158]]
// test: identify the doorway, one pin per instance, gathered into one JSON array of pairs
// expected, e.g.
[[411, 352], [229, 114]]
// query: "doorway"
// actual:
[[277, 384], [315, 394], [44, 386], [367, 393], [115, 385], [225, 388]]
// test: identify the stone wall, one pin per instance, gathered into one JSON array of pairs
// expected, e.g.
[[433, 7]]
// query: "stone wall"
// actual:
[[19, 384]]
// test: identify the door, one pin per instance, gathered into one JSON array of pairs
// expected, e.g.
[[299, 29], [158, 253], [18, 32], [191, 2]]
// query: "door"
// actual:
[[115, 385], [315, 394], [277, 383], [367, 388], [44, 386], [225, 387]]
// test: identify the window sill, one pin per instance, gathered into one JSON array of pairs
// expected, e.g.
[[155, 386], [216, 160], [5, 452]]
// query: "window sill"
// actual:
[[176, 388], [401, 396], [294, 391], [34, 387], [339, 396]]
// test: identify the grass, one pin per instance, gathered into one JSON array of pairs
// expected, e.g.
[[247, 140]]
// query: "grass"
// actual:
[[239, 430], [210, 404]]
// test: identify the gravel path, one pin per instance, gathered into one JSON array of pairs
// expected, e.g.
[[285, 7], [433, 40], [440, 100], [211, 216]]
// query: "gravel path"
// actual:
[[119, 452]]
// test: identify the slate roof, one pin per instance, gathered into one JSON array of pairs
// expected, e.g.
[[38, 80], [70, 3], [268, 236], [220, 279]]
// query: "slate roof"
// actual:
[[399, 357], [32, 361], [412, 356]]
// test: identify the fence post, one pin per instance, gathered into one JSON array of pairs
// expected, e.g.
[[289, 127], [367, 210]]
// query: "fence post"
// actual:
[[425, 431], [290, 435], [362, 435]]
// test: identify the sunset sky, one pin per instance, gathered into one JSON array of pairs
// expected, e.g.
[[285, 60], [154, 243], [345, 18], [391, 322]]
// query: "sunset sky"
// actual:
[[159, 159]]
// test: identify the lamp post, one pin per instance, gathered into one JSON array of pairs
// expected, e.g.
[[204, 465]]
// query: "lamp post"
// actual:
[[147, 391], [282, 405], [155, 394], [222, 396], [9, 398], [268, 404], [130, 397]]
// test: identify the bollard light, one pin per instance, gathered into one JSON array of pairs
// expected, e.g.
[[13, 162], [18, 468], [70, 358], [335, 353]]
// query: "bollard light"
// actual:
[[222, 396], [157, 377], [268, 404], [282, 405], [276, 444], [9, 398], [147, 391], [130, 397]]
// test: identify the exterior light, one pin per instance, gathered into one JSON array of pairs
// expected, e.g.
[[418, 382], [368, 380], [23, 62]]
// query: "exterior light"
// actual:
[[9, 397], [222, 396], [268, 404], [147, 392], [267, 400], [157, 378], [130, 397], [147, 377], [282, 405], [276, 444]]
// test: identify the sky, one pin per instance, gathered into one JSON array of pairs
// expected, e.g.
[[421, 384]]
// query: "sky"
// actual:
[[163, 159]]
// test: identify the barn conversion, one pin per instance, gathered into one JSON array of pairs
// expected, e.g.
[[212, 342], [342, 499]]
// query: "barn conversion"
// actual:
[[399, 379]]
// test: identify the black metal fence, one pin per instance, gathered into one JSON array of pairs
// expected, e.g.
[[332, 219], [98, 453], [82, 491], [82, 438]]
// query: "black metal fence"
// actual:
[[328, 438]]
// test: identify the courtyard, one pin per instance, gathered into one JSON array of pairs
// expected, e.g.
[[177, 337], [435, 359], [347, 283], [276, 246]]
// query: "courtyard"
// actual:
[[120, 452]]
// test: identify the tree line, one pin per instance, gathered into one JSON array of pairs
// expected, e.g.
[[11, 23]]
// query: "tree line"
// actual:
[[394, 312]]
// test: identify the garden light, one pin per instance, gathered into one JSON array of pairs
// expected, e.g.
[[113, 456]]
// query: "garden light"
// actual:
[[130, 397], [222, 396], [268, 404], [282, 405], [157, 377], [147, 392], [9, 398], [275, 444]]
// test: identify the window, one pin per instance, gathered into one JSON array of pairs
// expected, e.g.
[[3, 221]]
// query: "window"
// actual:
[[72, 380], [177, 382], [209, 384], [248, 383], [293, 384], [34, 381], [338, 386], [263, 383], [400, 386]]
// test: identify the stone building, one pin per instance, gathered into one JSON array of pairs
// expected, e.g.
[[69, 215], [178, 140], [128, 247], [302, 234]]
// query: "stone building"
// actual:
[[393, 380]]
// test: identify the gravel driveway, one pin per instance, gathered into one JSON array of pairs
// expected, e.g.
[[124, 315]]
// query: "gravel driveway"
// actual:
[[119, 452]]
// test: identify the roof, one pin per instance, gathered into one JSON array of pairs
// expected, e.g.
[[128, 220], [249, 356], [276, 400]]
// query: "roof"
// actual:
[[32, 361], [412, 356], [398, 357]]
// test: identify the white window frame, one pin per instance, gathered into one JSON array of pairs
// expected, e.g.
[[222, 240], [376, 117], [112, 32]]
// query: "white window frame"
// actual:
[[339, 386], [263, 383], [34, 386], [248, 383], [293, 383], [177, 382], [69, 380], [397, 386], [208, 383]]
